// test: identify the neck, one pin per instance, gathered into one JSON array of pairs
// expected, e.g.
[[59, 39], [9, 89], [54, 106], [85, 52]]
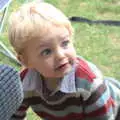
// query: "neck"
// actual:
[[52, 83]]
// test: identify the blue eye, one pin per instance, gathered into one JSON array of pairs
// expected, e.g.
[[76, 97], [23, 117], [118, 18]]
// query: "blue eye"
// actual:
[[46, 52], [65, 43]]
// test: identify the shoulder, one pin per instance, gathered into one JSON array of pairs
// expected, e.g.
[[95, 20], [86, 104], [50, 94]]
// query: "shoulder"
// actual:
[[31, 79], [87, 70], [83, 70], [88, 77]]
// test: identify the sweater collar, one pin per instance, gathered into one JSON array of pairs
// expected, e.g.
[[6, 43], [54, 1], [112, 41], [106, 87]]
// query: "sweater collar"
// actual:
[[33, 81]]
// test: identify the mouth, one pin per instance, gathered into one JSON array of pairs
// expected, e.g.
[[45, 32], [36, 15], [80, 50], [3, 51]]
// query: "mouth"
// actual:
[[62, 66]]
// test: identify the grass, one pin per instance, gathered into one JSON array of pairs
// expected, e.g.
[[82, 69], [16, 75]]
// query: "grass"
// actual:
[[97, 43]]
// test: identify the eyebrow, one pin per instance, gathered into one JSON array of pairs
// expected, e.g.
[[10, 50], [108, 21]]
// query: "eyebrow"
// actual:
[[45, 44], [65, 36]]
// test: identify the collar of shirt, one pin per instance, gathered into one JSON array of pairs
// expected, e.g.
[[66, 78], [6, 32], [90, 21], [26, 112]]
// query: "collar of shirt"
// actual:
[[33, 81], [68, 84]]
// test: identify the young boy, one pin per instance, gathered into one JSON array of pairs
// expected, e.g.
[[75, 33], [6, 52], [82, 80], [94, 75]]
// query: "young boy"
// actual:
[[58, 85]]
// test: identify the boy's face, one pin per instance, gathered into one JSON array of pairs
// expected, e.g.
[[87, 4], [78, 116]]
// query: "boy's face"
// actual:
[[52, 55]]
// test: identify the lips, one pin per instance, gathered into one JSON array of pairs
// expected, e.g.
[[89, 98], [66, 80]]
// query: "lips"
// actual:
[[62, 66]]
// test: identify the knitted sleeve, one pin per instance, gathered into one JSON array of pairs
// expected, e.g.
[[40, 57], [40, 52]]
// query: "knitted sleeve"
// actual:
[[100, 105], [98, 102], [11, 91], [21, 112]]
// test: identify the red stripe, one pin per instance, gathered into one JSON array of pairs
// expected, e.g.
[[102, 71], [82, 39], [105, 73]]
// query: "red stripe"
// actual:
[[71, 116], [103, 110], [84, 71], [23, 73]]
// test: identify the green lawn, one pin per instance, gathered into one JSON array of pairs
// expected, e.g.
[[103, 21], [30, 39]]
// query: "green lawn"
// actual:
[[97, 43]]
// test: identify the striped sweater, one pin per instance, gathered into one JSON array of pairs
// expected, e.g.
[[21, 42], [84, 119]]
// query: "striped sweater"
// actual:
[[83, 94]]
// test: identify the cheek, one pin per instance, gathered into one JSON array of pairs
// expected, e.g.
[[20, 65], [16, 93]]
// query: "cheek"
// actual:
[[49, 63], [46, 64], [45, 69], [72, 52]]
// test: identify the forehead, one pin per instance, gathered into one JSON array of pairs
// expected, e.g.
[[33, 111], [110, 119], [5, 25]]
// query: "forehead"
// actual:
[[55, 33], [49, 37]]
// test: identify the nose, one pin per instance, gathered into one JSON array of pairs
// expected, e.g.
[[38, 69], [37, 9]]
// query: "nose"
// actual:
[[60, 53]]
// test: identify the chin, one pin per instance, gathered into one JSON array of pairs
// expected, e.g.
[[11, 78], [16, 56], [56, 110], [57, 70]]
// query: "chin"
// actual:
[[67, 71]]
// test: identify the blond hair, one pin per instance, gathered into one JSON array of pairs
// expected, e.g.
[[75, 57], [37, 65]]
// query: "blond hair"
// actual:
[[32, 20]]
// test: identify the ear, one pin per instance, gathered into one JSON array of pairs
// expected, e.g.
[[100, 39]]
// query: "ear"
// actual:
[[22, 60]]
